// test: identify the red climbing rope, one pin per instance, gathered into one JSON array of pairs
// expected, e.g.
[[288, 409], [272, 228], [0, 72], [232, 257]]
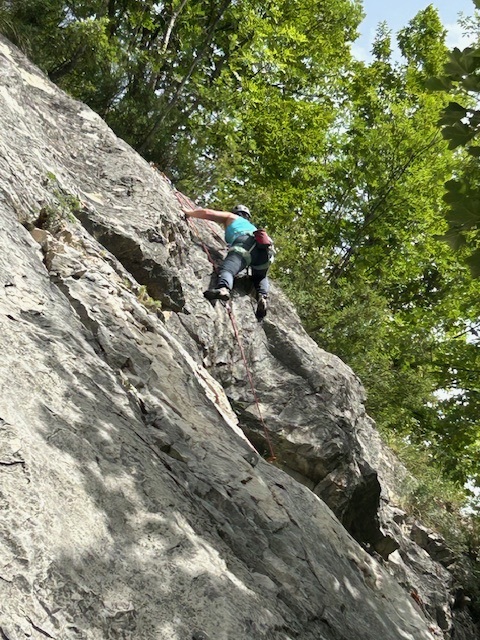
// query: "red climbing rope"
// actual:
[[272, 457], [186, 201]]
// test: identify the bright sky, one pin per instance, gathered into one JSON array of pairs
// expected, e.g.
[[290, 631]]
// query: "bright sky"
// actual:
[[397, 14]]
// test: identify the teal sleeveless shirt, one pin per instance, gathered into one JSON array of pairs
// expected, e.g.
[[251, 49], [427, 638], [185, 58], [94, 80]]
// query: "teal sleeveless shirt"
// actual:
[[238, 227]]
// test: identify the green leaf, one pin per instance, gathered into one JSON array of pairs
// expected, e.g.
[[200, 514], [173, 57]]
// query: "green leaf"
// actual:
[[465, 214], [454, 239], [455, 186], [438, 83], [471, 83], [474, 150], [474, 120], [452, 197], [461, 63], [458, 135], [473, 262], [452, 114]]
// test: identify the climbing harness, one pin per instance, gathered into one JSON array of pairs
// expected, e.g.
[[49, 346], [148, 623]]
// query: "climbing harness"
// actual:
[[186, 201]]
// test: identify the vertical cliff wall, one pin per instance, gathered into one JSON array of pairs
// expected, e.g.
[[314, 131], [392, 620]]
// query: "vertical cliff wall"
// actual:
[[133, 503]]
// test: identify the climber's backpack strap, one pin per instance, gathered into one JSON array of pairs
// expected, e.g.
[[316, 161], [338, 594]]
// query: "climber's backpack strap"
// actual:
[[262, 241]]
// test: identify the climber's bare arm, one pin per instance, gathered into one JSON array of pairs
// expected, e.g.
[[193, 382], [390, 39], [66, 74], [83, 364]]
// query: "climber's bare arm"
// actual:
[[222, 217]]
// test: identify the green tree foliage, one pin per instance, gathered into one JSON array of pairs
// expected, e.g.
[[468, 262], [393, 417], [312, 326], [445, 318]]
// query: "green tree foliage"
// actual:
[[193, 85], [371, 282], [460, 123]]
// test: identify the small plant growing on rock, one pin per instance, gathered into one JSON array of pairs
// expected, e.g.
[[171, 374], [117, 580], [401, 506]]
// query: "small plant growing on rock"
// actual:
[[64, 206], [147, 300]]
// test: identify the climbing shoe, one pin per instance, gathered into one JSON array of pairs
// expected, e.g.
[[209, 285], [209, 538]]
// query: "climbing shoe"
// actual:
[[261, 311], [217, 294]]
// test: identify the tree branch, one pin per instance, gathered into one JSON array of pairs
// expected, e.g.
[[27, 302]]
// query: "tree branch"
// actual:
[[171, 24], [159, 121], [67, 66], [374, 213]]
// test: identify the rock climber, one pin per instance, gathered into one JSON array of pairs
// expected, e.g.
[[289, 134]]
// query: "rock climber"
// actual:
[[244, 251]]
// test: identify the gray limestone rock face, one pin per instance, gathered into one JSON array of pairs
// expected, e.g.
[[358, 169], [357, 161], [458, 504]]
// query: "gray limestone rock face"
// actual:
[[135, 497]]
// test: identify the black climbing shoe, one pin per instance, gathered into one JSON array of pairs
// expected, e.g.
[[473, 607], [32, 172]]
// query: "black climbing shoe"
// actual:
[[217, 294], [261, 311]]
